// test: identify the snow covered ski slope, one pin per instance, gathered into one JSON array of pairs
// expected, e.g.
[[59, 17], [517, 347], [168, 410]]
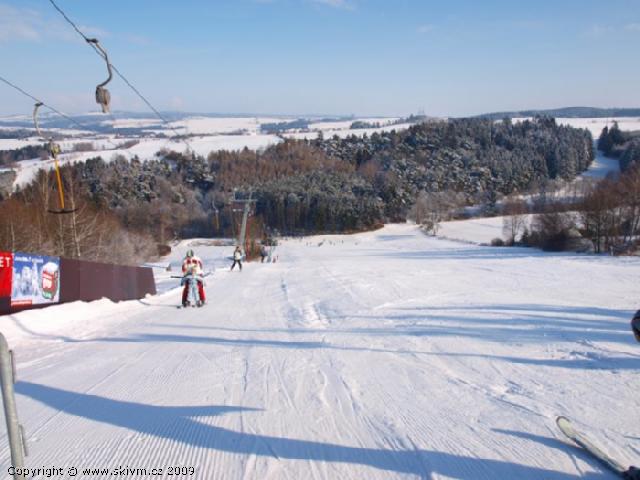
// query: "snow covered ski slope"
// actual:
[[375, 356]]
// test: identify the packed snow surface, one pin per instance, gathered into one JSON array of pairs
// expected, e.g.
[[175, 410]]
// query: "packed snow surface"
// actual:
[[382, 355]]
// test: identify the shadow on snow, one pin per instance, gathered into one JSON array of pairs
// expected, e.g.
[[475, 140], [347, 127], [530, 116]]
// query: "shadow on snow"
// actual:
[[179, 424]]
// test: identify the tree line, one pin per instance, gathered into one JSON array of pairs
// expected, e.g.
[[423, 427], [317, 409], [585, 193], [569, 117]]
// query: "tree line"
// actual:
[[602, 216], [301, 186], [624, 146]]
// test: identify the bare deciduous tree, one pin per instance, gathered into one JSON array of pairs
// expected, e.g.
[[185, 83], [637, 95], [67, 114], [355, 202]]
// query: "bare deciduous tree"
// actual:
[[515, 219]]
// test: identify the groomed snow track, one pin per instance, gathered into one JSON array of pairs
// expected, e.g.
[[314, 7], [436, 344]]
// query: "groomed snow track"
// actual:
[[382, 355]]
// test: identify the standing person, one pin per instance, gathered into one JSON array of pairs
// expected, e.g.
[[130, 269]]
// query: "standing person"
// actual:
[[192, 265], [634, 473], [263, 252], [237, 258]]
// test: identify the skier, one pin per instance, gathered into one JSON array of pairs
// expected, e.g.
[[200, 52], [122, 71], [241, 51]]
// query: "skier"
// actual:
[[263, 252], [192, 265], [632, 473], [237, 258]]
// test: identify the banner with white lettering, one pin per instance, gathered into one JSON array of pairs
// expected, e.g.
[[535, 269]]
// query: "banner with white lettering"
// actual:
[[6, 272]]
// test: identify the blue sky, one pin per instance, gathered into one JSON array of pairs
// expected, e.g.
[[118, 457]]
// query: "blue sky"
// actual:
[[363, 57]]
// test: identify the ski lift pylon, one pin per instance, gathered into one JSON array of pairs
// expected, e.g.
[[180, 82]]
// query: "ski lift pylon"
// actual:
[[54, 151], [103, 97]]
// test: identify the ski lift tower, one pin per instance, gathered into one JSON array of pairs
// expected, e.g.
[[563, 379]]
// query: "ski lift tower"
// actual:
[[246, 210]]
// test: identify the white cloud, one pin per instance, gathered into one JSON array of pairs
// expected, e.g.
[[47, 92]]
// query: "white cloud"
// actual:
[[23, 24], [19, 24], [93, 31], [428, 28], [336, 3], [339, 4], [598, 31]]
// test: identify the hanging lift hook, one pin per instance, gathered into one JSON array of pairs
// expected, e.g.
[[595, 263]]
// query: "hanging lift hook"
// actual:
[[54, 148], [103, 97], [54, 151], [35, 118]]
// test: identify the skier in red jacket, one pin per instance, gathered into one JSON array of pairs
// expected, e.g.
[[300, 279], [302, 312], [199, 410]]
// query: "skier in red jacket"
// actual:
[[192, 265]]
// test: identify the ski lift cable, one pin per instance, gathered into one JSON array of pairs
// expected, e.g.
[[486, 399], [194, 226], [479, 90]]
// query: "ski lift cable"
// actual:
[[158, 114], [102, 54], [37, 100], [58, 112], [53, 148], [71, 119]]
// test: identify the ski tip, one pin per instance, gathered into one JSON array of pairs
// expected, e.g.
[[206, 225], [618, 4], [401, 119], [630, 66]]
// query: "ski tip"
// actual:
[[562, 419]]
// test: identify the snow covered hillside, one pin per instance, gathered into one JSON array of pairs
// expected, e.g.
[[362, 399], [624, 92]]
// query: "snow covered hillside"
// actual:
[[476, 230], [595, 125], [204, 135], [209, 134], [381, 355]]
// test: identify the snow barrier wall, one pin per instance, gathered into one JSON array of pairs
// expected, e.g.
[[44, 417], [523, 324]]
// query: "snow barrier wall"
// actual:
[[87, 281]]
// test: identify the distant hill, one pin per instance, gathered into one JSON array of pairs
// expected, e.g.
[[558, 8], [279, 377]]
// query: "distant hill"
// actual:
[[568, 112], [99, 123]]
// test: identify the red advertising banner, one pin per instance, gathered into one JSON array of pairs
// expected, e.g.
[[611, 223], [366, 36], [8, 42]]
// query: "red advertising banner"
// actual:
[[6, 272]]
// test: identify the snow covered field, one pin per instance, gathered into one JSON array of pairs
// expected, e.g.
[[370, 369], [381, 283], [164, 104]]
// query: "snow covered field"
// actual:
[[483, 230], [207, 134], [346, 124], [602, 166], [237, 133], [476, 230], [147, 148], [15, 144], [218, 125], [381, 355], [347, 132], [595, 125]]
